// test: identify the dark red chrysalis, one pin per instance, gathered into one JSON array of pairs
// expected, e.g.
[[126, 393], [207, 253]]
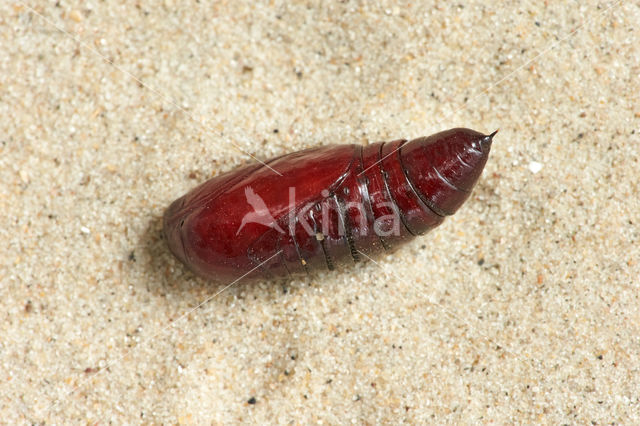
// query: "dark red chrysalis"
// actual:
[[335, 204]]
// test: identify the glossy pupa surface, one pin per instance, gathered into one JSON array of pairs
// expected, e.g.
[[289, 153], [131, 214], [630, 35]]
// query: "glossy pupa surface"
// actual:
[[331, 205]]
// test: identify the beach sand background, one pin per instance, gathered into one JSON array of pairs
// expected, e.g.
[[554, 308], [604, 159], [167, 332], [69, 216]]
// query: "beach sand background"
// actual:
[[523, 307]]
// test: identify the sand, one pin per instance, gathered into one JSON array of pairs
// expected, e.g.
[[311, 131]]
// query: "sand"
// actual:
[[521, 308]]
